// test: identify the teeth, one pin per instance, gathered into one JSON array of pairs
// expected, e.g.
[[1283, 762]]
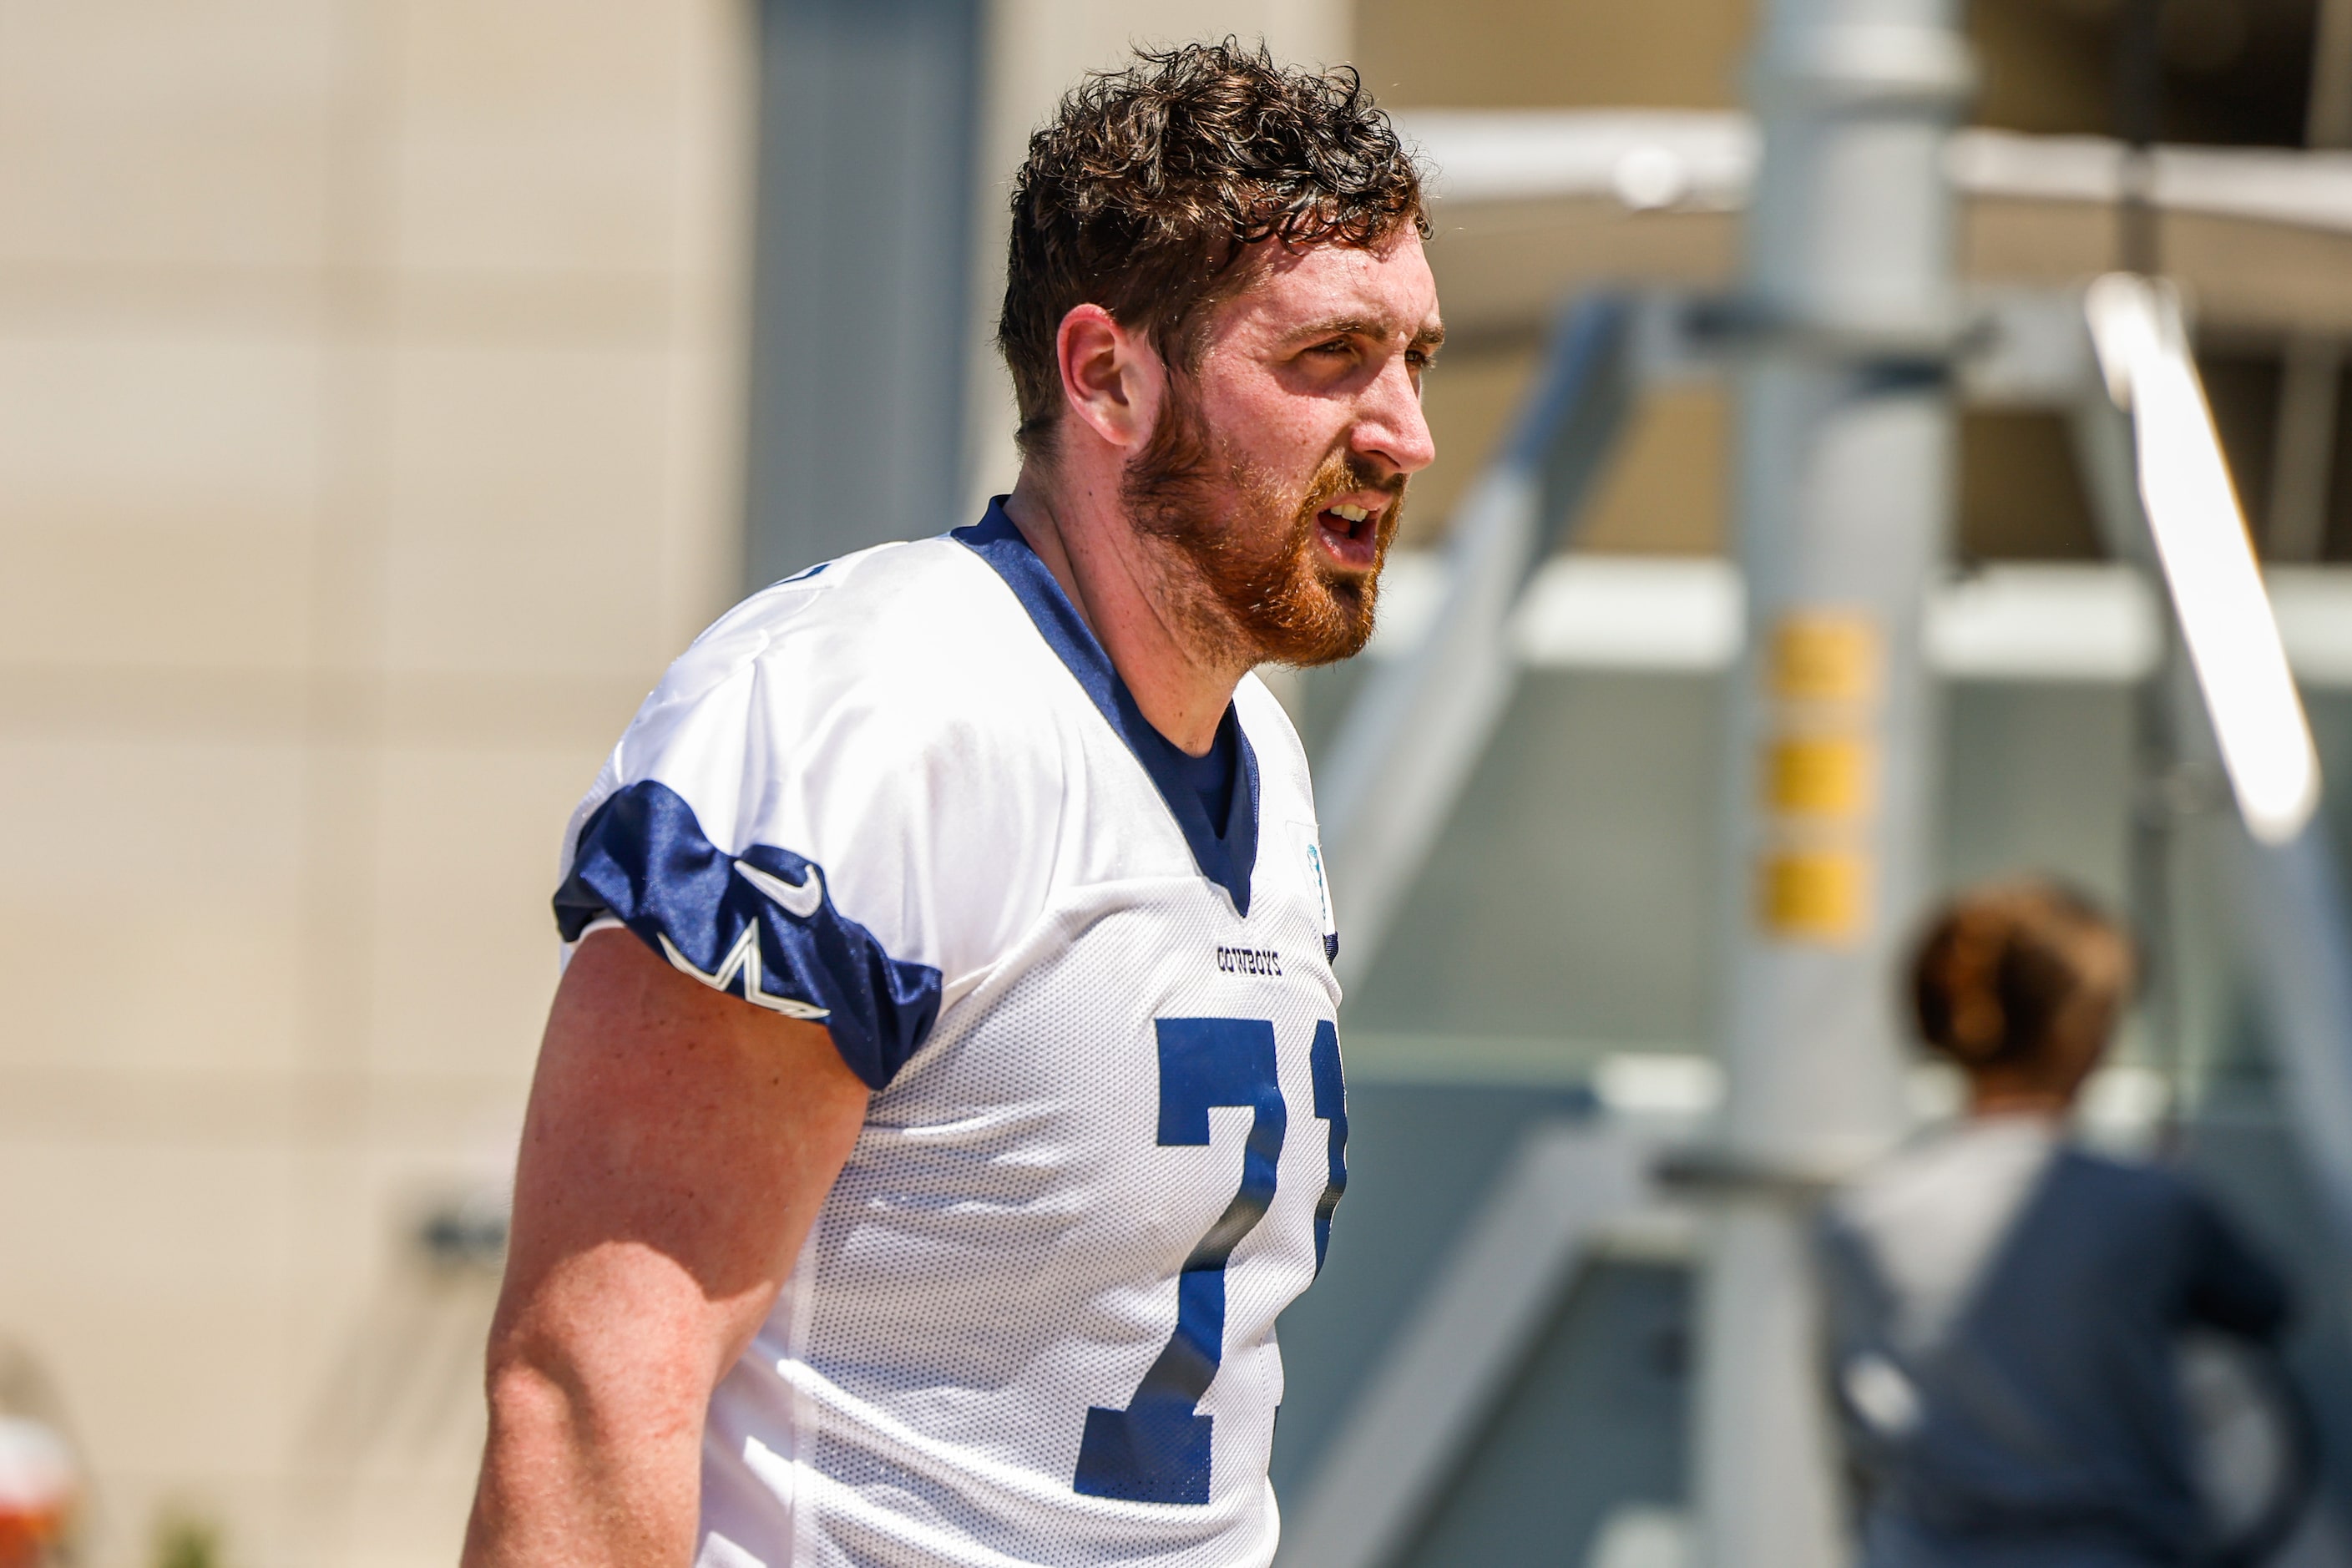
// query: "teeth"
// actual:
[[1352, 513]]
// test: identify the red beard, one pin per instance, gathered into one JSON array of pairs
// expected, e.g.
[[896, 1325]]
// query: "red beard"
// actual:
[[1251, 548]]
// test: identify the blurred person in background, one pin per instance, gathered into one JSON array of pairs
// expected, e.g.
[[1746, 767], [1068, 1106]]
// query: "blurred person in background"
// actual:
[[41, 1475], [37, 1493], [2007, 1309], [943, 1098]]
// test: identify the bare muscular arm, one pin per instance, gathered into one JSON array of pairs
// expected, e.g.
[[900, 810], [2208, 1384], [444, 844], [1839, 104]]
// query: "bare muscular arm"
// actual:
[[678, 1146]]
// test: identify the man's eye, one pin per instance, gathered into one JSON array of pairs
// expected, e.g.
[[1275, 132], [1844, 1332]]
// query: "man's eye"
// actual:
[[1337, 346]]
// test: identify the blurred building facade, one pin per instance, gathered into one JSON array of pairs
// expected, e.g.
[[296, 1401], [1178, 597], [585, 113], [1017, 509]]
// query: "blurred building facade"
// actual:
[[388, 389], [368, 439]]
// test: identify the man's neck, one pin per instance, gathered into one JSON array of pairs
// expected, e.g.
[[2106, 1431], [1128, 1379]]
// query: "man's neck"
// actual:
[[1121, 586]]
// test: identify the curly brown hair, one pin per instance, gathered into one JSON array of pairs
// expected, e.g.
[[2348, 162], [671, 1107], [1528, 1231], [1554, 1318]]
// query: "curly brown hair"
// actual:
[[2000, 965], [1150, 183]]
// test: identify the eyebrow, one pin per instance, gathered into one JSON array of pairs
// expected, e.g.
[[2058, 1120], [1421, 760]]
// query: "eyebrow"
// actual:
[[1429, 338]]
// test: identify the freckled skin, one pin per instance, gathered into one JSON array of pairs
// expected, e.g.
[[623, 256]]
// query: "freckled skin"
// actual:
[[1283, 402], [678, 1142], [678, 1147]]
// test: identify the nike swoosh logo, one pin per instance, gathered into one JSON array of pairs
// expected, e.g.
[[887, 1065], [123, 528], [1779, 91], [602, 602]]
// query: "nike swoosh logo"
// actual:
[[801, 900]]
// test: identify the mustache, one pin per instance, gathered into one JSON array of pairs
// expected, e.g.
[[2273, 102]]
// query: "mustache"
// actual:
[[1345, 472]]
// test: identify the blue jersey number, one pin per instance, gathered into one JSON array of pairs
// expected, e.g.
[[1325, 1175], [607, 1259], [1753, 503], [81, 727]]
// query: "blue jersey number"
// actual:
[[1157, 1450], [1331, 1106]]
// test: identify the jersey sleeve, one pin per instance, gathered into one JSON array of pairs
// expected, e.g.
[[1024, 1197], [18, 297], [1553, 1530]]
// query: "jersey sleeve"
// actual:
[[785, 823]]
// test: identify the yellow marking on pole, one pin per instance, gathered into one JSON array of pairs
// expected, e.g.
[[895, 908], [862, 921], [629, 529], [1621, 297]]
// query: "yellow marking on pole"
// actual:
[[1824, 656], [1814, 895], [1819, 775]]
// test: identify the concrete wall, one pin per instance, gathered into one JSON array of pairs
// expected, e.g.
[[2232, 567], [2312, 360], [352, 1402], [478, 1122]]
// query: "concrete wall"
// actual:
[[368, 407]]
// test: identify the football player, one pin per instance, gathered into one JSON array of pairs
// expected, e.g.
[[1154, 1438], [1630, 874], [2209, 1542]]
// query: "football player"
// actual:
[[943, 1098]]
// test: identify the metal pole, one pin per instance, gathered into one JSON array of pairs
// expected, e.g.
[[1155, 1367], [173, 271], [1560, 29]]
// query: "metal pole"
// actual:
[[2311, 368], [2159, 803], [2139, 103], [2303, 454], [2328, 122], [1846, 478]]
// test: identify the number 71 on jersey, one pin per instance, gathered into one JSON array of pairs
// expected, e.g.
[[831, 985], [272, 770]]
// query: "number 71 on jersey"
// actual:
[[1157, 1450]]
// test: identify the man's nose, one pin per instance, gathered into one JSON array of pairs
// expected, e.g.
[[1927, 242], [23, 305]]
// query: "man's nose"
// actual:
[[1392, 428]]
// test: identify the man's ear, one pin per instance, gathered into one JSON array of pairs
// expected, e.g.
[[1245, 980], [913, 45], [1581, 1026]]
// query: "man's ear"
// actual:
[[1112, 378]]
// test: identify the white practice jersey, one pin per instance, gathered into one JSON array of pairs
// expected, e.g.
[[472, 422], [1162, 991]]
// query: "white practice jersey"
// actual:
[[906, 793]]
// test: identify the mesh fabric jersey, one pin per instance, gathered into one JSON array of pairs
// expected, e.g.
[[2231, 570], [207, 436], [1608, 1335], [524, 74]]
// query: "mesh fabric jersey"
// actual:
[[905, 795]]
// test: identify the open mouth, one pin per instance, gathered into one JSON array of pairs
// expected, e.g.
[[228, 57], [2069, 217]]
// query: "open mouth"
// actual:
[[1350, 533]]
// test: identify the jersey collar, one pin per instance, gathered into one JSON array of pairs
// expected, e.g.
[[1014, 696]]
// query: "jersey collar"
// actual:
[[1225, 861]]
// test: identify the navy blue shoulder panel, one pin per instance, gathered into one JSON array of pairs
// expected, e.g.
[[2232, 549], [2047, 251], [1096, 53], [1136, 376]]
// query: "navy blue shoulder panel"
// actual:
[[1225, 860], [761, 926]]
